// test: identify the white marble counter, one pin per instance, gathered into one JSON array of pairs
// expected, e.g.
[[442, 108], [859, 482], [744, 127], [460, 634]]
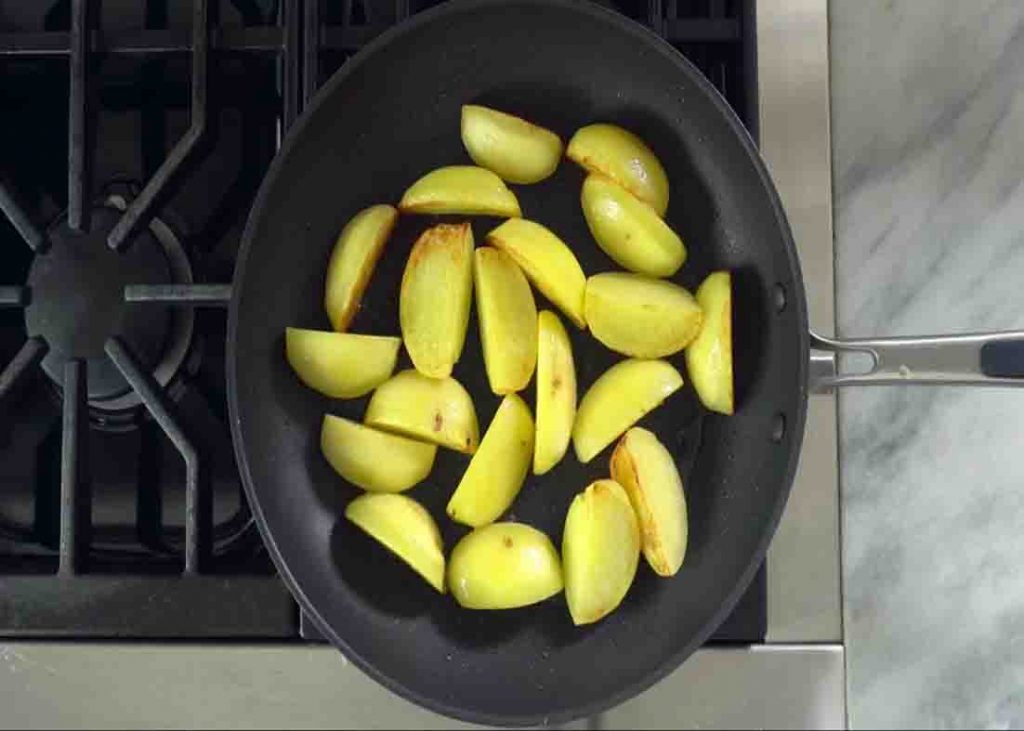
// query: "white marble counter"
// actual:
[[928, 158]]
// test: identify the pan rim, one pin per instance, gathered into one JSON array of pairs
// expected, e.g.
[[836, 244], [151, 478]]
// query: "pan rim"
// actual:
[[797, 300]]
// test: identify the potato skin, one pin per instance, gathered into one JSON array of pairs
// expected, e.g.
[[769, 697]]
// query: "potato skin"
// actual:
[[640, 316], [353, 259], [340, 365], [620, 155], [709, 356], [374, 460], [504, 566]]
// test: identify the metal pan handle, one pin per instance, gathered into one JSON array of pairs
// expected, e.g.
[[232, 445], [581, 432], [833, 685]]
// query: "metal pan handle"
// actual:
[[978, 359]]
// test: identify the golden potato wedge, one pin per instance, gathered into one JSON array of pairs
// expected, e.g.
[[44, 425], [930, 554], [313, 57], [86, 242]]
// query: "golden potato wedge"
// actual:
[[374, 460], [629, 231], [620, 155], [647, 471], [619, 398], [709, 357], [600, 551], [517, 150], [462, 189], [504, 566], [641, 316], [508, 320], [546, 261], [340, 365], [433, 304], [353, 260], [435, 410], [405, 528], [497, 470], [556, 393]]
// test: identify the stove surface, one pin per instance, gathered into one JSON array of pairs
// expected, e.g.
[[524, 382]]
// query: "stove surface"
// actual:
[[137, 134]]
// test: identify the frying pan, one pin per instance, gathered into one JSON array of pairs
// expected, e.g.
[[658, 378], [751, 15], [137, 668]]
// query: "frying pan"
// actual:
[[386, 117]]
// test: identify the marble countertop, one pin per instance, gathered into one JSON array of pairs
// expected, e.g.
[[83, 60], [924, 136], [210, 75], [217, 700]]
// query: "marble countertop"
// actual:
[[928, 165]]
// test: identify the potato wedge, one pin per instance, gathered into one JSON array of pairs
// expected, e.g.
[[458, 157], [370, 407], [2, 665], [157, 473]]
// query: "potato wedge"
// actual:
[[620, 155], [619, 398], [508, 320], [374, 460], [647, 471], [433, 305], [405, 528], [556, 393], [353, 260], [504, 566], [462, 189], [517, 150], [600, 551], [340, 365], [641, 316], [629, 231], [709, 357], [435, 410], [497, 470], [546, 261]]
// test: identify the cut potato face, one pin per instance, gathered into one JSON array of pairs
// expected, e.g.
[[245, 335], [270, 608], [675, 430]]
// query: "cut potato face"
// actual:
[[504, 566], [709, 357], [508, 320], [405, 528], [497, 470], [461, 189], [600, 551], [647, 471], [620, 155], [340, 365], [435, 410], [619, 398], [641, 316], [353, 259], [629, 231], [556, 393], [433, 305], [546, 261], [518, 151], [374, 460]]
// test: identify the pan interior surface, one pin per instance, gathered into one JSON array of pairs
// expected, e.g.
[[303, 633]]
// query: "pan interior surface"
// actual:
[[386, 118]]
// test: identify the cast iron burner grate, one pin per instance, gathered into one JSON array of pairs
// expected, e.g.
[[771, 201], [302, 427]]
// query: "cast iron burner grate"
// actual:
[[121, 513]]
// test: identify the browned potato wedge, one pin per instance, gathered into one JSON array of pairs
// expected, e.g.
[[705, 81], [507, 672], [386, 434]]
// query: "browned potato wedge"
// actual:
[[461, 189], [641, 316], [435, 410], [517, 150], [546, 261], [497, 470], [508, 320], [340, 365], [629, 231], [600, 551], [647, 471], [618, 399], [709, 357], [504, 566], [556, 393], [435, 296], [374, 460], [353, 260], [622, 156], [405, 528]]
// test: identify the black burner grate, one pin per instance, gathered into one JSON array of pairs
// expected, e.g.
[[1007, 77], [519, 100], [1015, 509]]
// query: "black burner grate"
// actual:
[[123, 516]]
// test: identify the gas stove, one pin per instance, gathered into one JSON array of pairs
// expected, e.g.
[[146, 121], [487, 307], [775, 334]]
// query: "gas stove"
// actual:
[[137, 133]]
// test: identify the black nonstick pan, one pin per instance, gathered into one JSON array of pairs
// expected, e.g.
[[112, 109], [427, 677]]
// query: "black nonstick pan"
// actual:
[[388, 116]]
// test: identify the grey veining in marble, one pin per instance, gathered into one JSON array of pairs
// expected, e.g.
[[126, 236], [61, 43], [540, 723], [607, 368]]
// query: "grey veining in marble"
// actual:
[[928, 158]]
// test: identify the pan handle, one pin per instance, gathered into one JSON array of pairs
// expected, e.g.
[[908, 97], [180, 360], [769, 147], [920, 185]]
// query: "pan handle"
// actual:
[[978, 359]]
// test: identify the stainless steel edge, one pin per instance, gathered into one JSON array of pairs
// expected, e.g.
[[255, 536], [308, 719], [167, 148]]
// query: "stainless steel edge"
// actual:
[[804, 600]]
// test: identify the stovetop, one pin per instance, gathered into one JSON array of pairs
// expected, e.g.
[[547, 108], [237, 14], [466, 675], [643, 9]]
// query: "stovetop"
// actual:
[[135, 137]]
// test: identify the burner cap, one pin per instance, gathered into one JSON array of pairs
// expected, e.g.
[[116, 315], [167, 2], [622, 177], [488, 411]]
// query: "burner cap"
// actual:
[[77, 301]]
